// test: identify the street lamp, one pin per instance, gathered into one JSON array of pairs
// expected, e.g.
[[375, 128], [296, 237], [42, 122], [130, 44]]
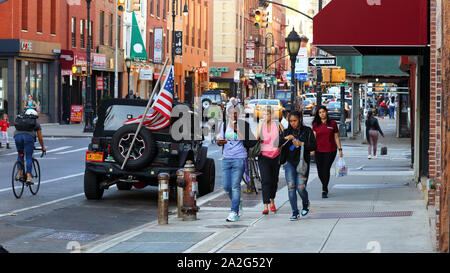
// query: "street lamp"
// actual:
[[293, 44], [185, 9], [128, 63], [89, 112]]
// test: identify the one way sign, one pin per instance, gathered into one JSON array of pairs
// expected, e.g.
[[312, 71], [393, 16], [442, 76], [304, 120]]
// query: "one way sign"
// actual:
[[315, 61]]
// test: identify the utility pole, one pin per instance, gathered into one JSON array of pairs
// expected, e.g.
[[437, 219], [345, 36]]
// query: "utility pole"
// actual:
[[116, 73]]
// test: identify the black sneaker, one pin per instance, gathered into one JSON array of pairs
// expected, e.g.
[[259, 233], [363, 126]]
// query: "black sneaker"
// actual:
[[295, 216], [324, 194]]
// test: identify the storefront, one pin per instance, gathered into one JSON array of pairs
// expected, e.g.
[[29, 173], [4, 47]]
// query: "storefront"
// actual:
[[29, 68]]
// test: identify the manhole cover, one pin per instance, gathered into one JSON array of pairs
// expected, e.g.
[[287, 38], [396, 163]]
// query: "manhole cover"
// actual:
[[227, 226], [358, 214], [72, 236]]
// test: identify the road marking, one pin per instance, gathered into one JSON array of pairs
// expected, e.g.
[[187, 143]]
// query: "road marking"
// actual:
[[72, 151], [51, 180], [59, 149], [14, 212]]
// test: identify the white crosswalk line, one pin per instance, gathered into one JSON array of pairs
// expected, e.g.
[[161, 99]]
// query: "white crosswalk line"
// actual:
[[59, 149], [72, 151]]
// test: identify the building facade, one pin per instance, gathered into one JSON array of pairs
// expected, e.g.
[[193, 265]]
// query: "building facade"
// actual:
[[30, 35]]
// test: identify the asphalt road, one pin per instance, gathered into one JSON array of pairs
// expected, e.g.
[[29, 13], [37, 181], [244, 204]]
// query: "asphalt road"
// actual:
[[60, 214]]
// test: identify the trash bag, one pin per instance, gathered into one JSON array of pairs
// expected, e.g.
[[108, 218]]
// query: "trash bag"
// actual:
[[341, 168]]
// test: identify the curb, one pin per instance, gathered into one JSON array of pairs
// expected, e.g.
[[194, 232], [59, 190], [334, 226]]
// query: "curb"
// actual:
[[69, 136]]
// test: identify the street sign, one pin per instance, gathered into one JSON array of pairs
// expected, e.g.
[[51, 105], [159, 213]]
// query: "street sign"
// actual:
[[178, 43], [301, 63], [329, 61]]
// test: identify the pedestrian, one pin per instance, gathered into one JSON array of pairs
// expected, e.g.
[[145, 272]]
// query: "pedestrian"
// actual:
[[284, 119], [269, 132], [296, 134], [235, 141], [382, 107], [30, 103], [328, 142], [392, 107], [372, 129], [4, 125], [130, 95]]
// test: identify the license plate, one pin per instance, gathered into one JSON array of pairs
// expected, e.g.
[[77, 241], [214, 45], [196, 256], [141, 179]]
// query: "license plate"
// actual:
[[336, 111], [94, 156]]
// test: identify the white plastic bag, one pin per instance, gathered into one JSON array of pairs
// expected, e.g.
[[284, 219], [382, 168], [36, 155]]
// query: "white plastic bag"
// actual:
[[341, 168]]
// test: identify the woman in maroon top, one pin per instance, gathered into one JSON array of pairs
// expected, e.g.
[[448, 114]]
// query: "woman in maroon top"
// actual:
[[328, 142]]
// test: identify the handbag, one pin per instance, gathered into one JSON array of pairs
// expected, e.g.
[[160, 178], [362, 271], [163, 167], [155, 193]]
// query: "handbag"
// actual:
[[255, 151], [302, 167], [384, 150]]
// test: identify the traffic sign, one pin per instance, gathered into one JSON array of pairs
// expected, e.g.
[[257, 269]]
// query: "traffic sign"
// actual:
[[315, 61]]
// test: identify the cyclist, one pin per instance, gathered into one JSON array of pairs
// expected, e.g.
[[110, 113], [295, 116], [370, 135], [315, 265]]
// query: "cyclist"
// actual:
[[25, 136]]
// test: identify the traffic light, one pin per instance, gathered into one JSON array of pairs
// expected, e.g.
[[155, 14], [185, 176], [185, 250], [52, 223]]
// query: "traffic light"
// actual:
[[135, 5], [79, 70], [258, 17], [263, 3], [338, 75], [326, 74], [264, 19], [121, 5]]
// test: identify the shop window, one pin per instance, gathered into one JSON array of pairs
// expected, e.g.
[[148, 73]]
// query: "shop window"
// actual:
[[3, 85], [36, 83]]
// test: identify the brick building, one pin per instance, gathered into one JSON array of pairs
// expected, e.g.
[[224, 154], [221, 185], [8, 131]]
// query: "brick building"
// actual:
[[30, 34]]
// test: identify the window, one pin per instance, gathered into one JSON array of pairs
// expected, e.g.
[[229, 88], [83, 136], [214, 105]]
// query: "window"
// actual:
[[39, 16], [24, 14], [36, 83], [164, 9], [193, 37], [102, 25], [74, 32], [150, 46], [111, 24], [53, 17], [82, 33], [199, 39], [151, 7], [167, 35], [158, 7], [90, 35]]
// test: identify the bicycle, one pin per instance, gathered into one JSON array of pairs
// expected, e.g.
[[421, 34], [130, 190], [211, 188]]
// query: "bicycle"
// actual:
[[251, 175], [18, 184]]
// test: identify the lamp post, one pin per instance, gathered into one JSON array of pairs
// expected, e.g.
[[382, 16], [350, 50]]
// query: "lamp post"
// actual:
[[293, 44], [185, 13], [89, 111], [267, 53], [128, 64]]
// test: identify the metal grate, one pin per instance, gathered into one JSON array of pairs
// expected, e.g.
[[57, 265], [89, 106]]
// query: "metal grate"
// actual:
[[72, 236], [358, 214]]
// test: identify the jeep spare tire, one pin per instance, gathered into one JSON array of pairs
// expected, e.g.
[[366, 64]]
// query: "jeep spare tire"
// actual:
[[143, 150]]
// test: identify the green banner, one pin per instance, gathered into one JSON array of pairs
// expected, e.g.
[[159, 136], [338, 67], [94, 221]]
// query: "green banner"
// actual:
[[137, 51]]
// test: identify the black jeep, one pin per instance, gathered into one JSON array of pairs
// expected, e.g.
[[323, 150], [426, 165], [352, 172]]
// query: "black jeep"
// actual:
[[153, 152]]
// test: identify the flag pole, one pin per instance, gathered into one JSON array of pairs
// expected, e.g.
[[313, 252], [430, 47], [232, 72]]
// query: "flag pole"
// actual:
[[145, 114]]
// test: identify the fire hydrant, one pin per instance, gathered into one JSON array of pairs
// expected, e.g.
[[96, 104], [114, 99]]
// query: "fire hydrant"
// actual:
[[190, 208]]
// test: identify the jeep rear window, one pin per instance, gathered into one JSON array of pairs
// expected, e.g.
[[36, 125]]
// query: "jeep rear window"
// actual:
[[116, 115]]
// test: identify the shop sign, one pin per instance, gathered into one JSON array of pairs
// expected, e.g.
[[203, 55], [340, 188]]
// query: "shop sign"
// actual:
[[76, 113], [158, 45], [146, 74], [98, 61], [99, 82], [250, 52], [178, 42], [237, 75], [217, 71], [26, 46]]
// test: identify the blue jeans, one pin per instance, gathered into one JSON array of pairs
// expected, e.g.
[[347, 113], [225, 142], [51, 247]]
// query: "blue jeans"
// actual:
[[296, 183], [232, 171], [391, 111], [25, 142]]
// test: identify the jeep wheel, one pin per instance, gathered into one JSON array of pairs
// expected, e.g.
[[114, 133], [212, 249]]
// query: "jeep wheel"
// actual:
[[206, 103], [144, 147], [124, 186], [92, 189], [206, 180]]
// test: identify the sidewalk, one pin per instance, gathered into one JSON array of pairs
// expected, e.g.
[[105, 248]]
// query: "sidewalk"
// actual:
[[56, 130], [376, 208]]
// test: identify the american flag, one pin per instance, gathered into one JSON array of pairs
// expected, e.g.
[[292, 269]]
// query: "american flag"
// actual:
[[161, 108]]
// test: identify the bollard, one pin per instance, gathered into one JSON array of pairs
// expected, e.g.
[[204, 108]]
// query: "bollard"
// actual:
[[181, 183], [190, 208], [163, 198]]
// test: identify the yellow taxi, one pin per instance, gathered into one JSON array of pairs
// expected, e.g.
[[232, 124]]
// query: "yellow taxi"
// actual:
[[276, 105]]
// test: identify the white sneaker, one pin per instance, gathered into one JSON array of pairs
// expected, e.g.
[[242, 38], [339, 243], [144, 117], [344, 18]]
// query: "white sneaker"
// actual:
[[369, 157], [374, 157], [232, 217]]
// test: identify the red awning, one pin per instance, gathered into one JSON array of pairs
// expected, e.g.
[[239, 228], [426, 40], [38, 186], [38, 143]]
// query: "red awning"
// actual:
[[372, 27]]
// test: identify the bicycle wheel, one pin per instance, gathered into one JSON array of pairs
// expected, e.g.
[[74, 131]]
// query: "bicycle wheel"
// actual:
[[18, 184], [257, 175], [36, 177]]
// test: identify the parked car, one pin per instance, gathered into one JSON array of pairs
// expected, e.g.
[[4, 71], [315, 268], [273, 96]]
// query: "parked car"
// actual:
[[154, 152], [211, 95], [277, 108], [250, 106], [310, 96], [334, 110], [327, 98]]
